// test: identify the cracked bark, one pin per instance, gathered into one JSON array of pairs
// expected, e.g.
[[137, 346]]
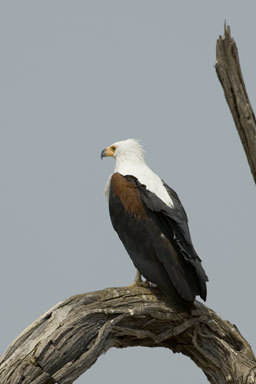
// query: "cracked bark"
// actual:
[[68, 339], [230, 76]]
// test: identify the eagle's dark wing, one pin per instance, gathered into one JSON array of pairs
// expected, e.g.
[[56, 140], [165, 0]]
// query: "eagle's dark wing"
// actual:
[[176, 224], [156, 237], [177, 203]]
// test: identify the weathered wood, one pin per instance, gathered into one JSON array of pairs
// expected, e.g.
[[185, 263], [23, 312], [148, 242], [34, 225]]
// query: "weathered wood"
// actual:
[[64, 342], [230, 75]]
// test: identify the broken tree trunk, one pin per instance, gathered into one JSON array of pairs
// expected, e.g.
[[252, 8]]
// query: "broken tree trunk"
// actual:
[[230, 76]]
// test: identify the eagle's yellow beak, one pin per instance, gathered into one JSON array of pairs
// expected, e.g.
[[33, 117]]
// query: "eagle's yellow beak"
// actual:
[[108, 151]]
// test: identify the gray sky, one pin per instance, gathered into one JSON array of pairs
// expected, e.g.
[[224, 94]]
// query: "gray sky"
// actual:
[[78, 75]]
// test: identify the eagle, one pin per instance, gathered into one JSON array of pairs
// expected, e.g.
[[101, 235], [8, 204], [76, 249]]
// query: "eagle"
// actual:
[[152, 224]]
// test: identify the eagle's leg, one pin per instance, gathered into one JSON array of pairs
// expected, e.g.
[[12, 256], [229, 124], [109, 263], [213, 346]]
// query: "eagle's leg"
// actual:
[[138, 281], [138, 278]]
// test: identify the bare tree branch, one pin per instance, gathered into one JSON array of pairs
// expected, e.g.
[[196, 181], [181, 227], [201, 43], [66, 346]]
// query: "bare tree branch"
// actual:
[[230, 75], [64, 342]]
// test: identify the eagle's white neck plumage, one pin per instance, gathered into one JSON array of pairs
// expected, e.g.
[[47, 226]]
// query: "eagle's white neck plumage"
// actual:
[[130, 161]]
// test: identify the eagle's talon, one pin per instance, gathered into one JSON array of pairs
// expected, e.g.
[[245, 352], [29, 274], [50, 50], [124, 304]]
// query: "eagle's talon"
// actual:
[[144, 284], [139, 282]]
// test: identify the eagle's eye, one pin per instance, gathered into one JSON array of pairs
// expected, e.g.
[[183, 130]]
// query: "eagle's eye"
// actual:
[[113, 148]]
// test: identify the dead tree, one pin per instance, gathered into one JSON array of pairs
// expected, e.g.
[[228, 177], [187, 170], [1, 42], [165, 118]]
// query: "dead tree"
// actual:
[[229, 73], [67, 340]]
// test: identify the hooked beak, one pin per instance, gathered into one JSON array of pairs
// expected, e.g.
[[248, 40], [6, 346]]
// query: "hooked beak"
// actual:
[[106, 152], [103, 153]]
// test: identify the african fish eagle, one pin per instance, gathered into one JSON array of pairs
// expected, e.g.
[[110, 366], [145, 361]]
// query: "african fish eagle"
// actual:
[[152, 224]]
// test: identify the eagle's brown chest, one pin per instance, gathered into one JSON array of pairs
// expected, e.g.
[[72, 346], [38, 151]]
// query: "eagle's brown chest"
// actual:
[[129, 195]]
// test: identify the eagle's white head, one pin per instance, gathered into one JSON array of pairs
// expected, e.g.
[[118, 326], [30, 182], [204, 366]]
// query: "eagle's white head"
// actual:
[[129, 156], [126, 150]]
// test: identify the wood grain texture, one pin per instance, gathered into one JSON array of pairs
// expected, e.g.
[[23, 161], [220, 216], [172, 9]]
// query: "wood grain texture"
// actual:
[[230, 76], [67, 340]]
